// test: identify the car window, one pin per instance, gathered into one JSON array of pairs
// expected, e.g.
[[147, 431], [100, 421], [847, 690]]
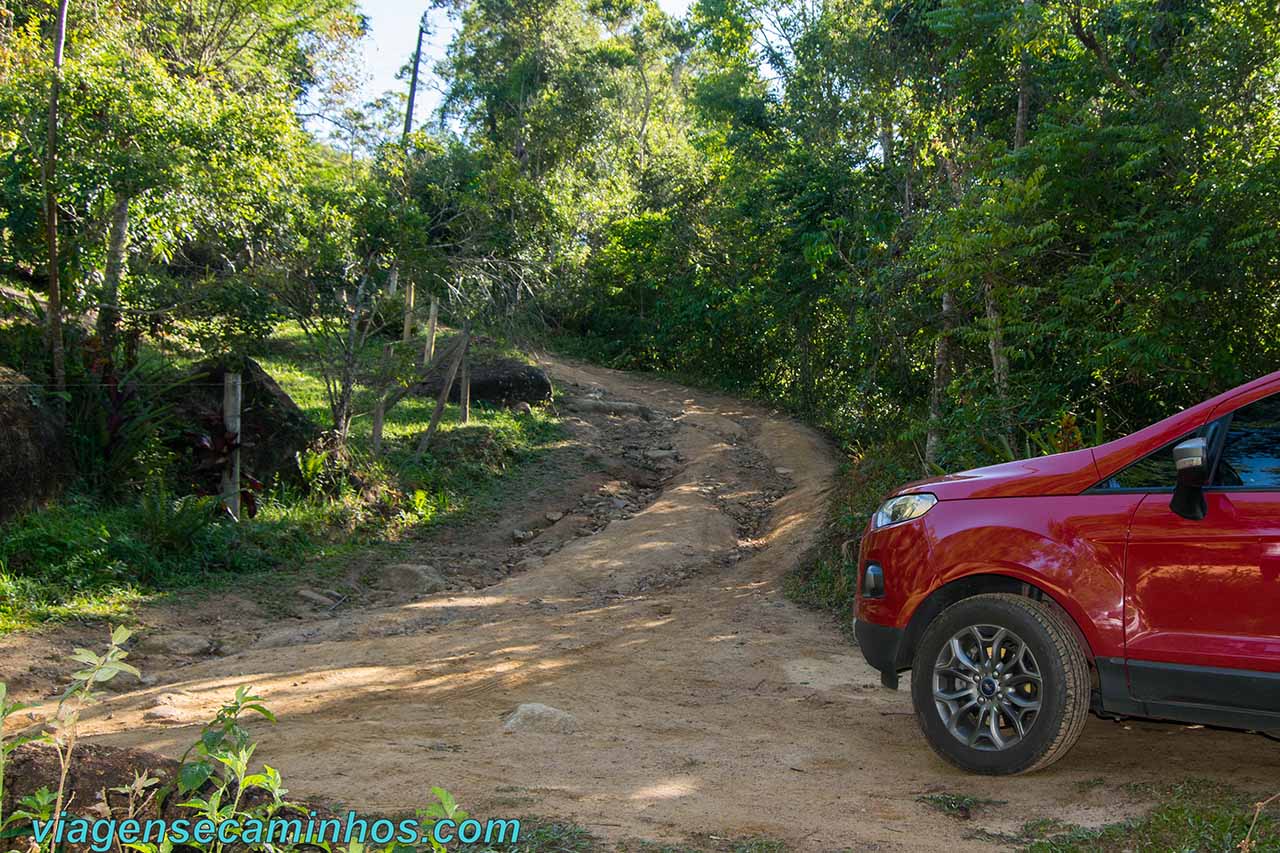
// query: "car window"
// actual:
[[1251, 454], [1155, 471]]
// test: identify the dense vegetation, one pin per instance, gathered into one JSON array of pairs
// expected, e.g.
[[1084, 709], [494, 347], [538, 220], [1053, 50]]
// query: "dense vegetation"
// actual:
[[959, 227], [948, 223]]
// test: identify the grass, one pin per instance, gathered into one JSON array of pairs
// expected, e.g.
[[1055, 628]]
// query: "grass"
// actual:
[[543, 835], [538, 835], [958, 806], [1194, 815], [93, 558]]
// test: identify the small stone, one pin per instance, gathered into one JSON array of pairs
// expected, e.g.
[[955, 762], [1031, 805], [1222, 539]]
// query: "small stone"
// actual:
[[522, 535], [536, 717], [783, 471], [164, 714], [553, 517], [524, 409]]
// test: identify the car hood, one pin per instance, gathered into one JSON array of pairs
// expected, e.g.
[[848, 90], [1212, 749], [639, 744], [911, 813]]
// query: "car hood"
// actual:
[[1061, 474]]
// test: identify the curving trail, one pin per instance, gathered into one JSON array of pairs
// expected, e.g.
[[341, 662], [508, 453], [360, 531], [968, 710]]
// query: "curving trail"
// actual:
[[706, 703]]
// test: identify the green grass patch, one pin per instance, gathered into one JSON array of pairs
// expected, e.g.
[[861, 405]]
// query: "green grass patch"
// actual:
[[84, 559], [1195, 815], [92, 558]]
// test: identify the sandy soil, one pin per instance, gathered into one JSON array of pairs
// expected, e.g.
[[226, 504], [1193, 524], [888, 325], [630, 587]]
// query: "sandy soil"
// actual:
[[706, 703]]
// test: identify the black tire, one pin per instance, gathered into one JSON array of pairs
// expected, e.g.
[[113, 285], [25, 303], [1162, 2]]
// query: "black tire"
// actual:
[[1048, 690]]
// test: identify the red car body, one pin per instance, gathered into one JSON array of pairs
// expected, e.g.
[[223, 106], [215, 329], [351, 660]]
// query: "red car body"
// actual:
[[1179, 618]]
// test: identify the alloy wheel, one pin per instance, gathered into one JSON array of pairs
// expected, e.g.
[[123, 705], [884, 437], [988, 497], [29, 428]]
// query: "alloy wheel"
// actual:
[[987, 687]]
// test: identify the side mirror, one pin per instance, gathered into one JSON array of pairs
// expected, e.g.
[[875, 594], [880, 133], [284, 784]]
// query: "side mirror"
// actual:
[[1191, 458]]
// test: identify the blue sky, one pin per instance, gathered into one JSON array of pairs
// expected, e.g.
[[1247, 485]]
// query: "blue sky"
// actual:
[[393, 32]]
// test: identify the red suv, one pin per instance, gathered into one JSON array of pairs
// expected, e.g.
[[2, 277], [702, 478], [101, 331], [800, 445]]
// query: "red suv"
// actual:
[[1140, 578]]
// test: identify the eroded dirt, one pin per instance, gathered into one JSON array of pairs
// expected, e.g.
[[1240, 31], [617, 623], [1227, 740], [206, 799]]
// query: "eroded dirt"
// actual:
[[639, 590]]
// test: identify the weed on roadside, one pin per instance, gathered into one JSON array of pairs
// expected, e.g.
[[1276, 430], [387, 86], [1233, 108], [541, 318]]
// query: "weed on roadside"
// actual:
[[541, 835], [959, 806]]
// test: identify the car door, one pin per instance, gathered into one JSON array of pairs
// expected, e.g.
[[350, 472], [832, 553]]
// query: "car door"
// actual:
[[1202, 598]]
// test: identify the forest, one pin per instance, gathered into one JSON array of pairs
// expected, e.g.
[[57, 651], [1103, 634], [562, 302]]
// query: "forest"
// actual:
[[956, 229]]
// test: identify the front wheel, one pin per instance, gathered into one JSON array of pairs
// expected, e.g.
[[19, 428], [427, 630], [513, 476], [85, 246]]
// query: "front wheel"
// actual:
[[1000, 685]]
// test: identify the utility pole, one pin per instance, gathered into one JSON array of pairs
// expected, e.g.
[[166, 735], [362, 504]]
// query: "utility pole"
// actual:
[[424, 27]]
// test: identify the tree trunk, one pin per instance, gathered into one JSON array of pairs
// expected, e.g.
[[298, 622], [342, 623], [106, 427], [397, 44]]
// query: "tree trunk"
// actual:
[[346, 393], [117, 248], [938, 387], [57, 351], [999, 360], [1024, 83]]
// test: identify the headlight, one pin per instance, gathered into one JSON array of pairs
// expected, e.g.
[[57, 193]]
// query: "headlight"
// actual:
[[905, 508]]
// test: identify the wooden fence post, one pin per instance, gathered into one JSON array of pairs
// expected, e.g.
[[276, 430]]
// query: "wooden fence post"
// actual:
[[380, 406], [464, 385], [408, 308], [231, 400], [443, 399], [429, 350]]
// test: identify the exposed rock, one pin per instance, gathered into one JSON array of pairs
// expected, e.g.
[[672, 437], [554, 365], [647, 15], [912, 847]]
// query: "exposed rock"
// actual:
[[415, 578], [661, 454], [176, 643], [273, 429], [553, 517], [165, 714], [312, 597], [610, 407], [34, 460], [505, 382], [536, 717]]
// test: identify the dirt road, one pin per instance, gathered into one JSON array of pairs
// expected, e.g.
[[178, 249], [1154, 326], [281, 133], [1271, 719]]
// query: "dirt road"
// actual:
[[706, 704]]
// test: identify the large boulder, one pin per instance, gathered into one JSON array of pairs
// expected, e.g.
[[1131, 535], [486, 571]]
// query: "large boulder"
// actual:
[[272, 427], [34, 460], [503, 382]]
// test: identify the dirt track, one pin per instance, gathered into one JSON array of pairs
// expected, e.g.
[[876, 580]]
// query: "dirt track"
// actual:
[[707, 704]]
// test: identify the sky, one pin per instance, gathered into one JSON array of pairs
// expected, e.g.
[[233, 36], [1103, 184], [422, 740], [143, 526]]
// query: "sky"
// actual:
[[393, 35]]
